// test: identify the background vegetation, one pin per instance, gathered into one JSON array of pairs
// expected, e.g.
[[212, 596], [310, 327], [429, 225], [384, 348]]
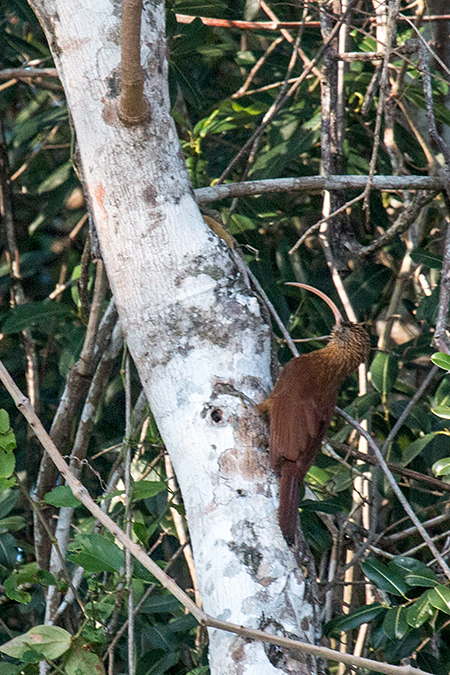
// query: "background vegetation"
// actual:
[[381, 592]]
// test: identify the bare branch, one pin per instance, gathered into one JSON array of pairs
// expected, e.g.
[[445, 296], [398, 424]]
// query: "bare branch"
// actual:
[[133, 106], [319, 183], [27, 73]]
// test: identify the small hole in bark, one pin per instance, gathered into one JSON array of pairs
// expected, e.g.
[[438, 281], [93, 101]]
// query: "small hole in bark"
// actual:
[[216, 415]]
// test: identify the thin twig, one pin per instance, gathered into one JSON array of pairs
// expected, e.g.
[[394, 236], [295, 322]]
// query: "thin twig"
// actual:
[[317, 225], [253, 138], [402, 499], [395, 468], [440, 338], [393, 11], [401, 224], [128, 512], [274, 313], [393, 432], [204, 619], [136, 610], [180, 527], [437, 520], [260, 62], [82, 494], [13, 260], [287, 36], [77, 385], [272, 25]]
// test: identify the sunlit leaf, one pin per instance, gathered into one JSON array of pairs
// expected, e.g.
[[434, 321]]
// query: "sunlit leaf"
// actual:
[[442, 411], [441, 467], [442, 360], [49, 641]]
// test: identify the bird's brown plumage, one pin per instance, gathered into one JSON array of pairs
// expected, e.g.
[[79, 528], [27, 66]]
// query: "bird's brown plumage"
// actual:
[[300, 408]]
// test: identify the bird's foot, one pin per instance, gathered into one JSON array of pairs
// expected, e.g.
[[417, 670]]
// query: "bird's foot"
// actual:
[[230, 390]]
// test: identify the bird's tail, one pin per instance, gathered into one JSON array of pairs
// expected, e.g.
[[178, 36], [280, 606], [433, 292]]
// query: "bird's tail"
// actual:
[[289, 496]]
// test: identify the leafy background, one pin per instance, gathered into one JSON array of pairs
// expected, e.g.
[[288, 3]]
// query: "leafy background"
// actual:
[[396, 588]]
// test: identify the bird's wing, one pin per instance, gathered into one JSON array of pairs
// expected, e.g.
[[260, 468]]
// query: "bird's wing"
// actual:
[[300, 414]]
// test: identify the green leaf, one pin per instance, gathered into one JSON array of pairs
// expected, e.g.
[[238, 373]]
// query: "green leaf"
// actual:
[[417, 573], [27, 575], [441, 467], [8, 500], [442, 360], [82, 661], [182, 624], [439, 597], [7, 483], [55, 179], [7, 461], [12, 524], [100, 610], [442, 411], [423, 257], [146, 489], [49, 641], [160, 637], [395, 624], [322, 507], [12, 590], [62, 496], [420, 611], [4, 421], [160, 605], [96, 553], [239, 223], [422, 579], [33, 314], [157, 662], [141, 531], [354, 619], [384, 371], [385, 578], [442, 395], [317, 476], [7, 668], [415, 448]]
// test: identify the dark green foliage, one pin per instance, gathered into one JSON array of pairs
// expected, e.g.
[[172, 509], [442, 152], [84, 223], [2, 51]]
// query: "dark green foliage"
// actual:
[[208, 65]]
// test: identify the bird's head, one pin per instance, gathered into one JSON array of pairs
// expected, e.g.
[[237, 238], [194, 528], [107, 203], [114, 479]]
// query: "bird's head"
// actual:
[[353, 338]]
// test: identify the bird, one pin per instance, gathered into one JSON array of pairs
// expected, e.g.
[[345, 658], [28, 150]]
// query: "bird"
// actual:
[[301, 405]]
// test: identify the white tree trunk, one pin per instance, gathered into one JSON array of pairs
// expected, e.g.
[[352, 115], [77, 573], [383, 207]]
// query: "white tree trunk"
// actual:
[[191, 324]]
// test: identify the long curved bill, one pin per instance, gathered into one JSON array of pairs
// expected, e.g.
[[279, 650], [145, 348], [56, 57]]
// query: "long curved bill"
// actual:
[[337, 315]]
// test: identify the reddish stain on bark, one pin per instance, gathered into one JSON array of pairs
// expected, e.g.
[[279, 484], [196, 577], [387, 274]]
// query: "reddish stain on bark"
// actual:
[[100, 193]]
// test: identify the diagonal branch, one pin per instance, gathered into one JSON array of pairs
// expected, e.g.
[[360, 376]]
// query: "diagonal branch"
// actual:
[[81, 493]]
